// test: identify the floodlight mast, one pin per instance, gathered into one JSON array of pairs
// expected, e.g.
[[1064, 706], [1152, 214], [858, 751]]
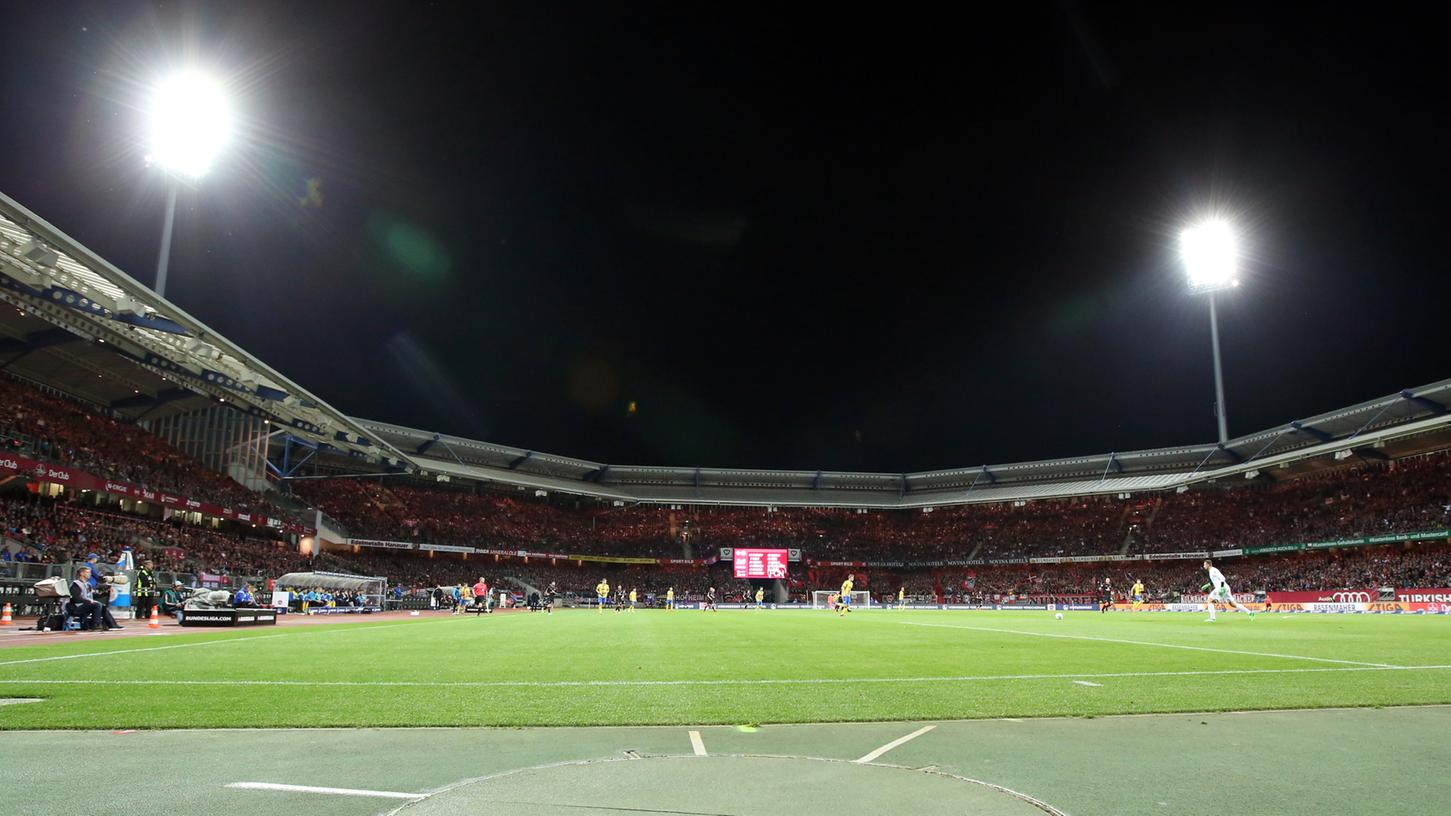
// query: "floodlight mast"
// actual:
[[190, 122], [1210, 254]]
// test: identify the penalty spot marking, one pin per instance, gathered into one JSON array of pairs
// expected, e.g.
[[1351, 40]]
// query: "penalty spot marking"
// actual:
[[1086, 683], [696, 744], [893, 744], [1150, 643], [271, 786]]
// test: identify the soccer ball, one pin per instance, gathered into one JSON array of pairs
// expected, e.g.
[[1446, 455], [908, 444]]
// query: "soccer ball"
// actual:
[[1058, 616]]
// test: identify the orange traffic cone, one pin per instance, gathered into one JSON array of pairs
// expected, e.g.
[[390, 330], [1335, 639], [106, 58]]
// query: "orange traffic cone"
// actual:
[[155, 622], [5, 616]]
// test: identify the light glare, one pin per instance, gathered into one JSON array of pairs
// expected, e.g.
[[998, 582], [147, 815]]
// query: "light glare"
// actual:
[[190, 123], [1211, 255]]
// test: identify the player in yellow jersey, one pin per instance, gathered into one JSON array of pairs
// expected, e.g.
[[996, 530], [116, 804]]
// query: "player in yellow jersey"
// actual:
[[632, 599], [602, 593], [1138, 593], [670, 599], [843, 601], [760, 598], [901, 596]]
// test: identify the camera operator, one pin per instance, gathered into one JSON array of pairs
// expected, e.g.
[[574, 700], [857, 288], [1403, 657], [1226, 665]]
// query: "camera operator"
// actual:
[[92, 613]]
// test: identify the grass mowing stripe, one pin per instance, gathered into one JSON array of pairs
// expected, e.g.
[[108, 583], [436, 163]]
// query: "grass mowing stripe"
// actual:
[[784, 681], [238, 639], [1148, 643]]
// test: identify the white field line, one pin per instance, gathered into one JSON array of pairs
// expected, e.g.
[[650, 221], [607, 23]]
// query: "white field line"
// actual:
[[1151, 643], [894, 743], [1086, 683], [310, 630], [334, 791], [802, 681], [5, 701], [696, 744]]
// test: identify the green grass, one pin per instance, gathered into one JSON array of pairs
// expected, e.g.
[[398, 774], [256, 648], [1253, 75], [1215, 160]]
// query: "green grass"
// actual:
[[938, 665]]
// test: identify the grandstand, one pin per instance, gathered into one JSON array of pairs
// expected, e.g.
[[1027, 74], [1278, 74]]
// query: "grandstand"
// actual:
[[127, 424]]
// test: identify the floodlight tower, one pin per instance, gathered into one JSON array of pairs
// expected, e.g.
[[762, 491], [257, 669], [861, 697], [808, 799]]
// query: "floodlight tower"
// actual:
[[190, 123], [1211, 256]]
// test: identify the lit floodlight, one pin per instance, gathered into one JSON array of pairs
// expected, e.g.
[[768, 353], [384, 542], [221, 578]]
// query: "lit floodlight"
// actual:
[[1211, 256], [190, 123]]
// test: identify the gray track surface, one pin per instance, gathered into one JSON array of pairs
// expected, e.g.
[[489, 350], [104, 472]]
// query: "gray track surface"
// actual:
[[1281, 763]]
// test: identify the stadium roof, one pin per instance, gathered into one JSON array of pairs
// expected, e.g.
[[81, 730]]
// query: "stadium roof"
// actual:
[[79, 324], [1400, 424]]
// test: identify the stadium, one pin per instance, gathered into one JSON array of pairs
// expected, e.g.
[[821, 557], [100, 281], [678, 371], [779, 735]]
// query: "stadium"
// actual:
[[225, 593]]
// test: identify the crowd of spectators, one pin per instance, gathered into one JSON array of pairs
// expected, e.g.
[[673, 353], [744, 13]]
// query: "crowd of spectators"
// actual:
[[58, 531], [37, 423], [1408, 495]]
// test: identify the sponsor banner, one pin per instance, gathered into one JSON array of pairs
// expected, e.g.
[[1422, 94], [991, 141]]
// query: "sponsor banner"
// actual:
[[1428, 608], [1001, 561], [1245, 598], [445, 548], [385, 545], [1144, 607], [613, 559], [1362, 596], [1184, 607], [1273, 548], [1227, 553], [1178, 556], [1435, 596]]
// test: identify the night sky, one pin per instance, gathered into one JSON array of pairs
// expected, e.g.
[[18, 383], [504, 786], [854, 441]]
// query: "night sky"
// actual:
[[878, 241]]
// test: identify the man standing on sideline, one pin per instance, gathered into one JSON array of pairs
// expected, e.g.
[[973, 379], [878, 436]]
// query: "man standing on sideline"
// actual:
[[481, 594], [145, 590]]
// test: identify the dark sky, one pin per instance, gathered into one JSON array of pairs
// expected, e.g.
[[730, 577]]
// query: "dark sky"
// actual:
[[884, 241]]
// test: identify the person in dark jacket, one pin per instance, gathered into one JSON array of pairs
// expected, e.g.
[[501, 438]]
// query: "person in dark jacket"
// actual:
[[145, 586]]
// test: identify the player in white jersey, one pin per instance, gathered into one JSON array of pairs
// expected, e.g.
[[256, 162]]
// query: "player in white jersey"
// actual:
[[1219, 592]]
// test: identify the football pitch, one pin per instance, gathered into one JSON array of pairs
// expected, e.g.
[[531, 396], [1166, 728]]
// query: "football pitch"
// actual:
[[734, 667], [742, 712]]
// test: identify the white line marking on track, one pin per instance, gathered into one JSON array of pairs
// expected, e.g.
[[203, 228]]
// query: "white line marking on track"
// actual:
[[894, 743], [805, 681], [696, 744], [1150, 643], [1086, 683], [333, 791]]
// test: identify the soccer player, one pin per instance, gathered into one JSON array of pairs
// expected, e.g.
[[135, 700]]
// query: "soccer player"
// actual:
[[1107, 600], [602, 593], [1219, 591], [632, 599], [843, 601], [670, 599], [710, 600], [549, 598], [760, 598], [901, 596], [1138, 593]]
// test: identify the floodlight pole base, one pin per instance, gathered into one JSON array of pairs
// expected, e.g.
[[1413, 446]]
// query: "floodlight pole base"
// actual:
[[1218, 375], [166, 238]]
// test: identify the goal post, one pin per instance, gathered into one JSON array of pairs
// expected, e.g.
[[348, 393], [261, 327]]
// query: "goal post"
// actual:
[[825, 599]]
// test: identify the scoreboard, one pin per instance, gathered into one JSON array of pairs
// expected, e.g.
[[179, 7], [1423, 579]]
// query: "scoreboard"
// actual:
[[753, 562]]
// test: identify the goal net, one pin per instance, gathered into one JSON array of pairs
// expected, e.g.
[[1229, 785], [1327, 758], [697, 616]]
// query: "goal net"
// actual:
[[826, 599]]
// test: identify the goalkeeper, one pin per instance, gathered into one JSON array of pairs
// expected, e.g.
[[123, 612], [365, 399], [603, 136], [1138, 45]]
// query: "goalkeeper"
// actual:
[[1220, 592]]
